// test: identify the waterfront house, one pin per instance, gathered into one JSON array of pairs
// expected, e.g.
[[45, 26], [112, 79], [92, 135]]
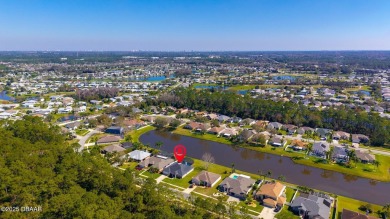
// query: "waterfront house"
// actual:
[[237, 185], [364, 156], [320, 149], [177, 170], [205, 178], [340, 154], [158, 162], [310, 206], [277, 141], [271, 194]]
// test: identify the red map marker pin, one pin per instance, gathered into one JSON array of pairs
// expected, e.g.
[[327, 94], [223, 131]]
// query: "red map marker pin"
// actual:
[[180, 152]]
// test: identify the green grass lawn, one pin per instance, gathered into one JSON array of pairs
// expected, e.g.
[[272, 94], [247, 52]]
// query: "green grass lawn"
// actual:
[[129, 165], [353, 205], [82, 132], [258, 207], [289, 194], [151, 175], [285, 213], [135, 134], [242, 87], [206, 136]]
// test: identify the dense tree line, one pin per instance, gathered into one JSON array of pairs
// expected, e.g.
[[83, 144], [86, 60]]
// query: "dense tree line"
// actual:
[[96, 93], [231, 104], [38, 168]]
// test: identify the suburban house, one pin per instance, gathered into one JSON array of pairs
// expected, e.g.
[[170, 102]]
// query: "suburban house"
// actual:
[[340, 135], [223, 118], [126, 145], [246, 134], [364, 156], [115, 130], [216, 130], [291, 129], [192, 125], [359, 138], [158, 162], [310, 206], [340, 154], [108, 139], [237, 185], [274, 125], [323, 133], [133, 123], [205, 178], [298, 145], [138, 155], [112, 149], [247, 121], [177, 170], [320, 149], [347, 214], [304, 130], [271, 194], [212, 116], [73, 125], [277, 141], [228, 132]]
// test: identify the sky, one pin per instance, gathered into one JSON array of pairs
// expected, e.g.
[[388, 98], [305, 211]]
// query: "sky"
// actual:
[[198, 25]]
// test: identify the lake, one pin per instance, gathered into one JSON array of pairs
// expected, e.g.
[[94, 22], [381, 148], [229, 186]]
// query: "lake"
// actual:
[[152, 78], [4, 96], [253, 161]]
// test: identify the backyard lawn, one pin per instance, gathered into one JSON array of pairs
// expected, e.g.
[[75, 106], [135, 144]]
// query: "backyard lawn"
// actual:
[[285, 213], [353, 205], [289, 194], [135, 134]]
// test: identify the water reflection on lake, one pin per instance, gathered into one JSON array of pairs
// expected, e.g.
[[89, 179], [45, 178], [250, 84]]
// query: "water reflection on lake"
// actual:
[[254, 161]]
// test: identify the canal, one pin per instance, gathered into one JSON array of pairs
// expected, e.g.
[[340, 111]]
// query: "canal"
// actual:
[[253, 161]]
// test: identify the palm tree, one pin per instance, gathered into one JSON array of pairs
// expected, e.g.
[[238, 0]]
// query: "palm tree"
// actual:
[[233, 169], [352, 156], [159, 144], [282, 178], [376, 163], [269, 173], [386, 209], [309, 149], [331, 149]]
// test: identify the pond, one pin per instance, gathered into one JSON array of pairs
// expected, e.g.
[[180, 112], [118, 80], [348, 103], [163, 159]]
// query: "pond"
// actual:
[[4, 96], [284, 77], [152, 78], [253, 161], [210, 87]]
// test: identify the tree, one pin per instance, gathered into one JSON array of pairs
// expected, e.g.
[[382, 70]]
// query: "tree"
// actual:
[[282, 178], [269, 173], [175, 123], [386, 209], [159, 144], [309, 149], [161, 122], [104, 120], [208, 159], [233, 169]]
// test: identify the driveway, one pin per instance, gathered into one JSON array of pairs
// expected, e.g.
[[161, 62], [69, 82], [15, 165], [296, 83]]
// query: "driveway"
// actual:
[[84, 138], [267, 213]]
